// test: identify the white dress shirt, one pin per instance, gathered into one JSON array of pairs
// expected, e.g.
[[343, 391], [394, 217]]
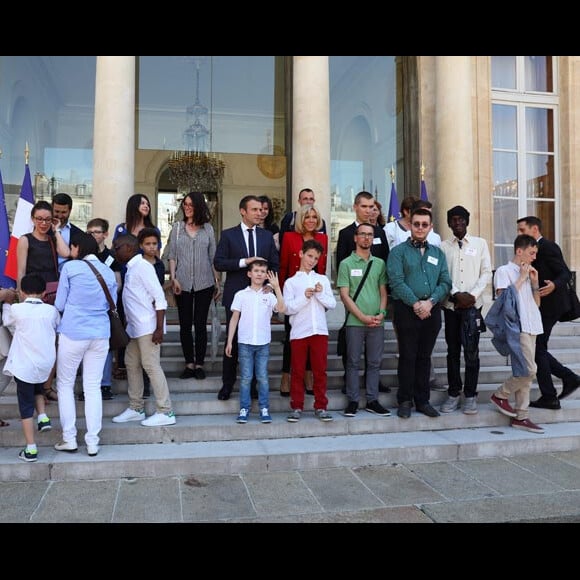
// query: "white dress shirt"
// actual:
[[245, 229], [142, 297], [307, 315], [469, 267], [397, 235], [33, 350]]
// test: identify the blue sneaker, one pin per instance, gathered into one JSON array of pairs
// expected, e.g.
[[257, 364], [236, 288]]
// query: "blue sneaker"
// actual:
[[265, 416], [243, 416]]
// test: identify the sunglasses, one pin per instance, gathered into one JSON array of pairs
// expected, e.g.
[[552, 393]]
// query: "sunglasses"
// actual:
[[423, 225]]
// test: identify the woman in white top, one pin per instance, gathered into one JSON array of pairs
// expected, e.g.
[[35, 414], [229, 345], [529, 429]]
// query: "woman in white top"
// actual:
[[400, 230]]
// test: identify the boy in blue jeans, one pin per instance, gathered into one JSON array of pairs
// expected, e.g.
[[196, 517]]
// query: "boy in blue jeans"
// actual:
[[252, 307], [32, 356]]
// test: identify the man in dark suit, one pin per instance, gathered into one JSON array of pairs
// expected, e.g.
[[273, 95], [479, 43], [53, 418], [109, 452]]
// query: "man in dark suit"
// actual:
[[553, 275], [305, 197], [237, 248], [363, 206], [61, 209]]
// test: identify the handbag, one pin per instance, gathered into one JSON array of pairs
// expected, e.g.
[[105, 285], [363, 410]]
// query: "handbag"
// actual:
[[49, 294], [574, 311], [119, 337], [341, 342]]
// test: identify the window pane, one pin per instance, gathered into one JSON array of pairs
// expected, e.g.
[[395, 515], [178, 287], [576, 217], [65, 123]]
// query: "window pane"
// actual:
[[505, 174], [540, 175], [504, 127], [539, 129], [505, 220], [538, 72], [229, 104], [49, 102], [545, 210], [503, 72]]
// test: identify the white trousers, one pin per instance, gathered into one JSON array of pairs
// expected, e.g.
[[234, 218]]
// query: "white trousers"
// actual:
[[70, 353]]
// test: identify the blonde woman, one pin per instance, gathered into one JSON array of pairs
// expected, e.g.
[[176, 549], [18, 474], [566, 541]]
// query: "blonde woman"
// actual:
[[308, 222]]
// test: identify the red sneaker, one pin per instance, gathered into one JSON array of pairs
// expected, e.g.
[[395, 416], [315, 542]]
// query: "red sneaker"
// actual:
[[503, 406], [526, 425]]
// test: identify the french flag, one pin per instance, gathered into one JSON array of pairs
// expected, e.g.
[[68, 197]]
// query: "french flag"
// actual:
[[22, 224]]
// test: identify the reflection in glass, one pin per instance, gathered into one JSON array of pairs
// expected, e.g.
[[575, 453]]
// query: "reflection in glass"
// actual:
[[540, 174], [505, 174], [505, 219], [503, 72], [539, 129], [538, 72], [504, 130]]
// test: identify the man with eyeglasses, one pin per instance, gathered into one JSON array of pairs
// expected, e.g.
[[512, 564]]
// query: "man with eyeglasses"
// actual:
[[420, 281], [364, 275], [363, 206]]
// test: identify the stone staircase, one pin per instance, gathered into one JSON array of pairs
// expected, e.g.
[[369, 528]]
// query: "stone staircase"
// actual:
[[206, 438]]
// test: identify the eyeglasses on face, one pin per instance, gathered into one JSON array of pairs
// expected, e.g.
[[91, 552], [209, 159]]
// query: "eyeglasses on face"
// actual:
[[95, 232], [41, 220], [365, 235], [423, 225]]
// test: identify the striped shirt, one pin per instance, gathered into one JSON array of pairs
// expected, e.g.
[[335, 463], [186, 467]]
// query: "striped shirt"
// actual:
[[193, 256]]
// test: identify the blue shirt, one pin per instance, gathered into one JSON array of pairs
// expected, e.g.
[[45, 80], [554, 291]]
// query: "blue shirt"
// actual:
[[81, 299]]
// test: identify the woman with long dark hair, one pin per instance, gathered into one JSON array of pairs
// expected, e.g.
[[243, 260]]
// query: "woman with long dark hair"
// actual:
[[194, 280]]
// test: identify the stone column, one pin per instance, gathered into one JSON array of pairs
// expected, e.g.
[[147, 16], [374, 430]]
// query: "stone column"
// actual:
[[311, 132], [453, 138], [114, 137]]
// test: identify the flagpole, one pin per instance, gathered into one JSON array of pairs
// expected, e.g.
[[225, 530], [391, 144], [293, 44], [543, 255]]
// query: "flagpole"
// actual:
[[26, 154]]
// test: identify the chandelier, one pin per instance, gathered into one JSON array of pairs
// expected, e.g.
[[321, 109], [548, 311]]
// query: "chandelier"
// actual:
[[196, 168]]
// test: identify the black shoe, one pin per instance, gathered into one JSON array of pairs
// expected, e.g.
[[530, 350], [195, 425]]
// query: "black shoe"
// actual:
[[404, 410], [188, 373], [106, 393], [376, 408], [569, 386], [225, 393], [428, 410], [384, 388], [351, 409], [546, 403], [308, 391], [199, 373]]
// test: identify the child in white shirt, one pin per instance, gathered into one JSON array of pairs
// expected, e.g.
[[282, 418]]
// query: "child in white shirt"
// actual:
[[32, 356], [252, 307], [307, 296]]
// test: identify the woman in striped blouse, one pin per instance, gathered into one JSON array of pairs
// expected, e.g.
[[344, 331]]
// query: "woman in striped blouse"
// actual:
[[194, 280]]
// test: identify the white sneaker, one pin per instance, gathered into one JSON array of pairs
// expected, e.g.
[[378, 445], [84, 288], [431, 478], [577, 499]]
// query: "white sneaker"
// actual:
[[129, 415], [70, 446], [92, 450], [451, 404], [159, 419]]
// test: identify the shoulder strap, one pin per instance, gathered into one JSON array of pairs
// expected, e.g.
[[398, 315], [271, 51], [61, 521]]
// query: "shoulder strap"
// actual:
[[52, 247], [112, 305], [359, 287]]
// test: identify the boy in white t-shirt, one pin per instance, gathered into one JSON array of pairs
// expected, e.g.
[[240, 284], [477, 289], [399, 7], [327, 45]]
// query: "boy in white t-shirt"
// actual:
[[307, 296], [31, 357], [252, 307]]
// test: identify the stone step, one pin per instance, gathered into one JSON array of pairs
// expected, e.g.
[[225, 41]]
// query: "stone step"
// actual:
[[328, 449]]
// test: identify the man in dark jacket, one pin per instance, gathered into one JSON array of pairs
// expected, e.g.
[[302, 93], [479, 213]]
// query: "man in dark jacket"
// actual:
[[553, 275]]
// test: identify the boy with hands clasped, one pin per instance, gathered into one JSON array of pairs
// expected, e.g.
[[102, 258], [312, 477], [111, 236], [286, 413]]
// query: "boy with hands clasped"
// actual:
[[252, 308], [307, 296]]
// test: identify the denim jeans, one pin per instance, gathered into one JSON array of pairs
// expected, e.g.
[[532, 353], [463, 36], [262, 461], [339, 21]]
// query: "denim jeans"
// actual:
[[253, 359]]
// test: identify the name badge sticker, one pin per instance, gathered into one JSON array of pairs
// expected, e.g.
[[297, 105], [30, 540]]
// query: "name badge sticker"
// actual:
[[432, 260], [356, 272], [377, 241], [470, 252]]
